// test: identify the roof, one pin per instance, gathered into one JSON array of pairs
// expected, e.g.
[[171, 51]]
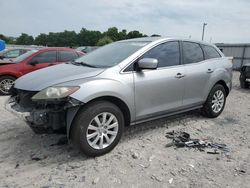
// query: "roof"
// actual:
[[152, 39]]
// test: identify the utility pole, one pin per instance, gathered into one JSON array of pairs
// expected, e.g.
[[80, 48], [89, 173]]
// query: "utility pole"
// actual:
[[203, 30]]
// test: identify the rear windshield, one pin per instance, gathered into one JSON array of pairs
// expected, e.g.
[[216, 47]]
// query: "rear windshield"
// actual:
[[111, 54], [24, 56]]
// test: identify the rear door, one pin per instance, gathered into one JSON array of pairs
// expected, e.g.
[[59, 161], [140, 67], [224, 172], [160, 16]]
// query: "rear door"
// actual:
[[198, 73], [43, 59], [159, 91]]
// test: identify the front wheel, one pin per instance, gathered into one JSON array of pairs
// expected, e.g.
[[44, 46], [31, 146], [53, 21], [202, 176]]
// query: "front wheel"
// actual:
[[215, 102], [5, 84], [97, 128]]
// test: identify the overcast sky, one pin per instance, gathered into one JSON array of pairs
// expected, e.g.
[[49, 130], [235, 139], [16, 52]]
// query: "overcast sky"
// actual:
[[228, 20]]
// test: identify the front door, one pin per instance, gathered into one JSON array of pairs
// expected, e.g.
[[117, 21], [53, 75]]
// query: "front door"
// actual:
[[159, 91], [43, 59]]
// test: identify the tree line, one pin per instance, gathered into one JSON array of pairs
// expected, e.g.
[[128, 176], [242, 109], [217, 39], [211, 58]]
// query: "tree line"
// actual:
[[72, 39]]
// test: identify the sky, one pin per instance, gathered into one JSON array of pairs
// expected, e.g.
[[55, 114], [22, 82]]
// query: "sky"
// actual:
[[227, 21]]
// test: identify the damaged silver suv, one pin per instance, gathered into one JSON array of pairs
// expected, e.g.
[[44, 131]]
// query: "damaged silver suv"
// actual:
[[121, 84]]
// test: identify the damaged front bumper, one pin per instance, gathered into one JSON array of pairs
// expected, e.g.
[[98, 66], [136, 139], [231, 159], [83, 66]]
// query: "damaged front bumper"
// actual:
[[44, 115]]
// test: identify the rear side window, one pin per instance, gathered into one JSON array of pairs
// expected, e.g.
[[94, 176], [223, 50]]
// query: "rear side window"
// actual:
[[192, 52], [45, 57], [67, 56], [167, 54], [210, 52]]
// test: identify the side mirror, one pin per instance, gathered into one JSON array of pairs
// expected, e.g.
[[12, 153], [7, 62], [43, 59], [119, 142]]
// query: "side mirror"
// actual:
[[148, 63], [33, 63]]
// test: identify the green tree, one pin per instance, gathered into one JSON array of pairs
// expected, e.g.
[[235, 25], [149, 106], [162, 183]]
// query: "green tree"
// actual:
[[41, 39], [155, 35], [88, 38], [135, 34], [66, 38], [103, 41], [25, 39], [112, 33], [123, 34], [8, 40]]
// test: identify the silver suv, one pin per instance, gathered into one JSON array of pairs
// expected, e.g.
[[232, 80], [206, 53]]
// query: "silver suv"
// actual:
[[122, 84]]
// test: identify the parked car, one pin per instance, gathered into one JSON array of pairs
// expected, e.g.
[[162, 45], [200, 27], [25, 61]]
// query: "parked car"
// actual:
[[245, 76], [13, 53], [87, 49], [122, 84], [31, 61]]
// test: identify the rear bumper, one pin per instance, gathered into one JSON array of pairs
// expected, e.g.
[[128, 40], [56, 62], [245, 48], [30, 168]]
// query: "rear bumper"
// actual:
[[229, 85]]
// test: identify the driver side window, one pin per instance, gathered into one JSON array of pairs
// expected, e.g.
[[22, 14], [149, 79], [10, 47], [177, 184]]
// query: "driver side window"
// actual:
[[45, 57], [167, 54]]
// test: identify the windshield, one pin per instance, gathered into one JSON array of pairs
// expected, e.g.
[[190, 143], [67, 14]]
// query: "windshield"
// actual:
[[24, 56], [111, 54]]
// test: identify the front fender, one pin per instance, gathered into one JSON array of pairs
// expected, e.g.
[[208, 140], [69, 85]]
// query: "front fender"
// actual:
[[99, 87], [71, 113], [105, 87]]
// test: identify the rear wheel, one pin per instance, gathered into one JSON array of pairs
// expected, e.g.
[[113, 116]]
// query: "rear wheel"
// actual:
[[215, 102], [5, 84], [97, 128]]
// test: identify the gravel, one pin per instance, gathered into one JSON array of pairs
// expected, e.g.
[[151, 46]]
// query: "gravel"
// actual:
[[139, 160]]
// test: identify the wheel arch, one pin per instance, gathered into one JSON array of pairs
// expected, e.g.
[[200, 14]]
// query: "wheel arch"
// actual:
[[72, 113], [11, 75], [223, 83]]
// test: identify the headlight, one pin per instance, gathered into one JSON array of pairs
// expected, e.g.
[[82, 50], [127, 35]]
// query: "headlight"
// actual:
[[55, 92]]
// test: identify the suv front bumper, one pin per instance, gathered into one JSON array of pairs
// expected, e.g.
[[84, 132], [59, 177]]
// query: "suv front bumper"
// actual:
[[38, 118], [11, 106]]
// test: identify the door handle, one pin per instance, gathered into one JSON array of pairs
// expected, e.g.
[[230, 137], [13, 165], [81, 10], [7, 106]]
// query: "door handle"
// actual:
[[179, 75], [209, 71]]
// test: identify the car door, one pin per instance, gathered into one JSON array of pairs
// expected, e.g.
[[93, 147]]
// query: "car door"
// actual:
[[159, 91], [41, 60], [198, 73]]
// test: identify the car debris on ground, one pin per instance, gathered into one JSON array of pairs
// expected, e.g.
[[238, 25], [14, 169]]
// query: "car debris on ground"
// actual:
[[183, 139]]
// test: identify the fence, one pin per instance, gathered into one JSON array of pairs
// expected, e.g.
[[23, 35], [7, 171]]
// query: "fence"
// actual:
[[240, 53]]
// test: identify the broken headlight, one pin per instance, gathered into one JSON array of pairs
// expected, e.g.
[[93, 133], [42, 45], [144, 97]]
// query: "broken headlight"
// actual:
[[55, 92]]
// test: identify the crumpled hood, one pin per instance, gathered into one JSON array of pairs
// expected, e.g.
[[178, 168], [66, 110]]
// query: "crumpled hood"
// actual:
[[54, 75]]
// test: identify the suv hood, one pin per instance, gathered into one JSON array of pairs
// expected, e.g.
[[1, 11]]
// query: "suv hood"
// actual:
[[57, 74]]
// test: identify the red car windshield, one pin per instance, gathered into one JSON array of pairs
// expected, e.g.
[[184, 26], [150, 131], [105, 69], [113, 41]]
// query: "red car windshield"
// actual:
[[24, 56]]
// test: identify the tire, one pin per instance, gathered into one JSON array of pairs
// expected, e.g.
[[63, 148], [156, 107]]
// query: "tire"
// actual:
[[82, 127], [208, 109], [4, 87]]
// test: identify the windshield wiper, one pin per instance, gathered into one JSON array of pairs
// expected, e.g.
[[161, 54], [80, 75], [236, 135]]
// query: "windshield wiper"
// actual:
[[84, 64]]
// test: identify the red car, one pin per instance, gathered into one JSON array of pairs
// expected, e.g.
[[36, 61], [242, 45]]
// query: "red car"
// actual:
[[31, 61]]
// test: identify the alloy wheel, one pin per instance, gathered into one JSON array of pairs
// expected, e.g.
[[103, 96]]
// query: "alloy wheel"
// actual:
[[5, 85], [102, 130], [218, 101]]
